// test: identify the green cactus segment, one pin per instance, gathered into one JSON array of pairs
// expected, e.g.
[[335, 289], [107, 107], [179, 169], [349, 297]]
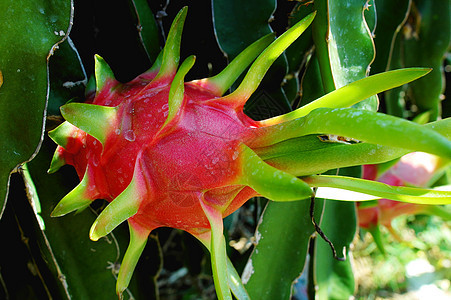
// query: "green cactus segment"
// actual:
[[103, 73], [177, 90], [218, 252], [355, 92], [271, 182], [397, 193], [78, 199], [95, 120], [261, 65], [171, 51], [366, 126], [62, 133], [138, 240], [123, 206], [58, 160], [220, 83]]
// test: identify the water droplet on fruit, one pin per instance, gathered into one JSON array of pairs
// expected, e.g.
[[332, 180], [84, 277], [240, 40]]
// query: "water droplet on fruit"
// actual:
[[129, 135], [117, 131], [95, 160], [235, 155]]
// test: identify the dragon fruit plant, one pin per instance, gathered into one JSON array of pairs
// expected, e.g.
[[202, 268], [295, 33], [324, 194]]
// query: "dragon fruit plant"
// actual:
[[414, 169], [169, 153]]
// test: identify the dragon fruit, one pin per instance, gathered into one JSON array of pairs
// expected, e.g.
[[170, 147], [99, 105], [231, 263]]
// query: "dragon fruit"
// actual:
[[414, 169], [166, 153]]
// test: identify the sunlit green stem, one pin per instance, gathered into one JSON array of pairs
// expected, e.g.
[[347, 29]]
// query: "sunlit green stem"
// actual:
[[397, 193], [377, 237]]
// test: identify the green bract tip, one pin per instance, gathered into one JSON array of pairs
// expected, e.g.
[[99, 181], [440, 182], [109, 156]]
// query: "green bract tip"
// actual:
[[95, 120], [103, 73], [57, 161], [138, 240], [77, 199], [171, 51], [62, 133], [261, 65], [220, 83]]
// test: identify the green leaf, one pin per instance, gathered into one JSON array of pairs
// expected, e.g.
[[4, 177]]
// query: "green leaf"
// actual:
[[278, 259], [30, 30], [64, 85], [365, 126], [261, 65], [308, 155], [344, 42], [391, 15], [431, 35], [147, 28]]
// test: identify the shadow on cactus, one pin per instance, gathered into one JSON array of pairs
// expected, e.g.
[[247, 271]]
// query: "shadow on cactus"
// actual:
[[169, 153]]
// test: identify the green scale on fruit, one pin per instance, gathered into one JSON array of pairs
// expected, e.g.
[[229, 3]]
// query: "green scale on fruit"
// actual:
[[170, 153]]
